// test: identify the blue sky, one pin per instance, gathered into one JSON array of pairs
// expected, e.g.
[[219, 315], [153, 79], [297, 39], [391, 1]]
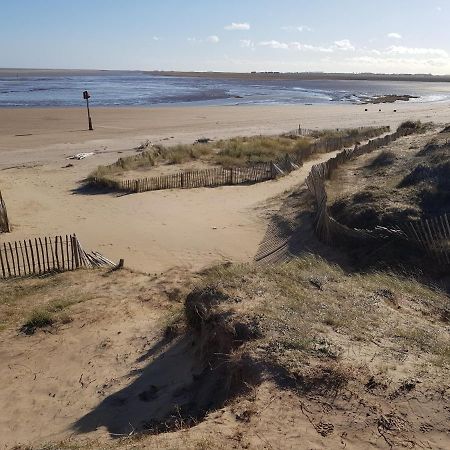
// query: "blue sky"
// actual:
[[401, 36]]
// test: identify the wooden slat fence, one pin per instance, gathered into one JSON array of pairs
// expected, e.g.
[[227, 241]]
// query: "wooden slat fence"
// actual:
[[4, 221], [432, 234], [195, 179], [39, 256], [238, 175]]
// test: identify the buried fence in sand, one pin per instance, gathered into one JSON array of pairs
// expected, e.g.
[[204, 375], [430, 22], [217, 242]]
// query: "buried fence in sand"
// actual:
[[432, 234], [220, 176], [40, 256], [4, 221]]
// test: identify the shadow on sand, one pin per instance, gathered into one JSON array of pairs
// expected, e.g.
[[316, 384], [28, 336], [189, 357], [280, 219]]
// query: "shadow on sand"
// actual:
[[160, 390], [85, 188]]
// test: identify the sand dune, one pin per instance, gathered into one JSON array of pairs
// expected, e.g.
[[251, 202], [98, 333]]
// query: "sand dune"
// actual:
[[154, 231]]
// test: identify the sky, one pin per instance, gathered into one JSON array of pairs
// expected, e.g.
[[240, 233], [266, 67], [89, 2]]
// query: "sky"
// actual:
[[389, 36]]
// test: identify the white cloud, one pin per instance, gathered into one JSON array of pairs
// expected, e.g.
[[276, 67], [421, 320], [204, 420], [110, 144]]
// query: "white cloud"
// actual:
[[194, 40], [400, 50], [300, 28], [308, 47], [344, 44], [238, 26], [247, 43], [213, 39], [156, 38], [274, 44], [295, 46], [394, 36], [395, 64], [318, 49]]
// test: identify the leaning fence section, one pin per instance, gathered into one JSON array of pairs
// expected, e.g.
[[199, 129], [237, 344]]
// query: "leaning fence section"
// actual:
[[431, 234], [4, 221], [39, 256]]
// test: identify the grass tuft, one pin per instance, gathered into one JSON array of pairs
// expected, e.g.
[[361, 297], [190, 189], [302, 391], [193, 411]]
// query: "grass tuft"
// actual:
[[39, 318]]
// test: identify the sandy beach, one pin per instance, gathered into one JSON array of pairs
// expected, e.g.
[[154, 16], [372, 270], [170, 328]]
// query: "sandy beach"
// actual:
[[159, 230]]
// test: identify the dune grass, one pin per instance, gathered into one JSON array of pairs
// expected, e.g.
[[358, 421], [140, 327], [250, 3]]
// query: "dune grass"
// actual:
[[228, 153], [35, 303], [309, 307], [235, 152], [358, 133], [52, 312], [244, 151]]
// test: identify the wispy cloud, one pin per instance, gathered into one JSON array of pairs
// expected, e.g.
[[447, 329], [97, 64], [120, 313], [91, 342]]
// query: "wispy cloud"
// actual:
[[213, 39], [400, 50], [295, 46], [396, 63], [344, 44], [300, 28], [235, 26], [394, 36], [156, 38], [274, 44], [247, 43], [311, 48]]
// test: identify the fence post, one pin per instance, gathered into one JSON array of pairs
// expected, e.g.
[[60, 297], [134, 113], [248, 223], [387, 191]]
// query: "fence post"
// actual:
[[4, 221]]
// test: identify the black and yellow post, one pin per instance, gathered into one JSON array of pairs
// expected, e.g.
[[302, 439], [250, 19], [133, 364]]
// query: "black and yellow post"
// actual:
[[86, 96]]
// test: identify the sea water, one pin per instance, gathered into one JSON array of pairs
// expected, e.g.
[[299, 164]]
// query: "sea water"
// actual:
[[140, 89]]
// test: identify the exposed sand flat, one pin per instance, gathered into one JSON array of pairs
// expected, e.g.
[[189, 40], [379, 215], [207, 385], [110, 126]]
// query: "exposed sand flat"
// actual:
[[60, 129], [158, 230]]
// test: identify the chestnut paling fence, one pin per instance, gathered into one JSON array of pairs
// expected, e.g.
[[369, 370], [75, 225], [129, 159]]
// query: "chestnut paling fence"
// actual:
[[237, 175], [40, 256], [431, 234], [4, 221]]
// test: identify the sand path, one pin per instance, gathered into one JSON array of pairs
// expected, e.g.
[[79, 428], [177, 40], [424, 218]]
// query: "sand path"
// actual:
[[153, 231]]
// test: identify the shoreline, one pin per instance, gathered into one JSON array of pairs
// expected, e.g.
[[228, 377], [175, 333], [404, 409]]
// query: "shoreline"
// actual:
[[383, 100]]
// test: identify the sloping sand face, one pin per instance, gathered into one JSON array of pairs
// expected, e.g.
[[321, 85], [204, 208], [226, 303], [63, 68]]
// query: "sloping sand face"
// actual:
[[154, 231], [100, 368]]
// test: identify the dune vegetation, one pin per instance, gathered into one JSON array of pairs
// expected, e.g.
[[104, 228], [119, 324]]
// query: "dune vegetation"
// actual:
[[228, 153]]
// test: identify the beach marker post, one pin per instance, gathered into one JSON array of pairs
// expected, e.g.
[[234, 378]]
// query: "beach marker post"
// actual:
[[86, 96]]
